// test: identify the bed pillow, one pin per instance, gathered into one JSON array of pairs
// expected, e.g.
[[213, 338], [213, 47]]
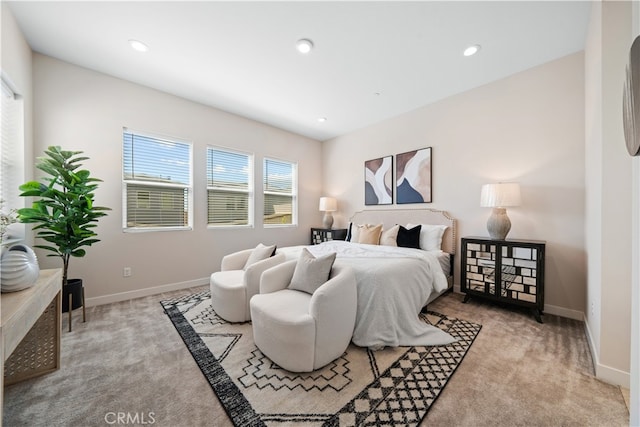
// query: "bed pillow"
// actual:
[[311, 272], [369, 234], [390, 237], [349, 232], [352, 233], [409, 238], [430, 236], [259, 253]]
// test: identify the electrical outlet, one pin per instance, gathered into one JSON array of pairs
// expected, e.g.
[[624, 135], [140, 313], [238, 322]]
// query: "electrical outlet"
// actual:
[[126, 272], [593, 308]]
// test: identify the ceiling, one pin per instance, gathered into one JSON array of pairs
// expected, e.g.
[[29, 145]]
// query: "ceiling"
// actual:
[[371, 60]]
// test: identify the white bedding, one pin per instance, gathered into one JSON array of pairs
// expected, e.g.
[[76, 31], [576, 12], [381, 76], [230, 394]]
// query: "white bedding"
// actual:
[[393, 285]]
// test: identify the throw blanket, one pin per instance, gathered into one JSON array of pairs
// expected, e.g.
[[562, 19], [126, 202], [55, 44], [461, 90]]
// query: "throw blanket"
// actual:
[[393, 286]]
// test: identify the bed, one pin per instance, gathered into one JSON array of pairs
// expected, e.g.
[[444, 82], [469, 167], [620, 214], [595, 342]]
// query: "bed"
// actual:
[[395, 283]]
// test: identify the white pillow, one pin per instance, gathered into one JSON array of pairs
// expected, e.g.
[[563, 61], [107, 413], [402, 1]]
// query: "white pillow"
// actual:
[[430, 236], [390, 237], [259, 253], [353, 232], [311, 272]]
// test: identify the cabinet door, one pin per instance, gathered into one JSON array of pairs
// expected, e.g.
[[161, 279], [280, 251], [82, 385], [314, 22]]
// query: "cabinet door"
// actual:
[[481, 267], [519, 273]]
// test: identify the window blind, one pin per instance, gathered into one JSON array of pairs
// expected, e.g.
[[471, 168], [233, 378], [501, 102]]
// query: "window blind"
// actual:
[[229, 187], [280, 192], [9, 144], [156, 181]]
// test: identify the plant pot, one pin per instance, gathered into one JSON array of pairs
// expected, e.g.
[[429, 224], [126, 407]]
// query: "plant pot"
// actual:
[[73, 287]]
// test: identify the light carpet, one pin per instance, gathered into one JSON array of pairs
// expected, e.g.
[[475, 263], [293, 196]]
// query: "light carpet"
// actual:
[[394, 386]]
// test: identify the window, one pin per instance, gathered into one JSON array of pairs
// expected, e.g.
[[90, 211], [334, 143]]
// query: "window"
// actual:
[[280, 192], [157, 189], [229, 188], [11, 156]]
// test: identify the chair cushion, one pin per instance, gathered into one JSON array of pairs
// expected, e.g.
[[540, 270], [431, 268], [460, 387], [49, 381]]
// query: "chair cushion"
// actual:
[[259, 253], [311, 272]]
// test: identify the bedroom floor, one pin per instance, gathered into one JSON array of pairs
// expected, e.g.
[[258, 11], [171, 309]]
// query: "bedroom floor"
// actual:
[[128, 357]]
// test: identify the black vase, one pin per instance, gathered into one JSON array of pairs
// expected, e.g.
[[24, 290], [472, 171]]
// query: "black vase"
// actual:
[[74, 288]]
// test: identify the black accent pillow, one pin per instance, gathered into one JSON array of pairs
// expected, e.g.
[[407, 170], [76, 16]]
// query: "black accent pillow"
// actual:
[[348, 236], [409, 238]]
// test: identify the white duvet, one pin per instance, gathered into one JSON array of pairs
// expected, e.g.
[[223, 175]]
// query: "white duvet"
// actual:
[[393, 286]]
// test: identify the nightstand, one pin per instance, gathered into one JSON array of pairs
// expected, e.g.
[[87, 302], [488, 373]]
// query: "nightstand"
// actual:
[[506, 271], [319, 235]]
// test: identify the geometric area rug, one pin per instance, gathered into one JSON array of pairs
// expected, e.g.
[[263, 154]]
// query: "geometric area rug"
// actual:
[[393, 386]]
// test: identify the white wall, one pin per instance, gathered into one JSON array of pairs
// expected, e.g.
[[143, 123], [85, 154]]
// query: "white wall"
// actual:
[[80, 109], [609, 202], [527, 128]]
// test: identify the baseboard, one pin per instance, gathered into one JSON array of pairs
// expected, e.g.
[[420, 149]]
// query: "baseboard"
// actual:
[[603, 372], [564, 312], [139, 293], [548, 309]]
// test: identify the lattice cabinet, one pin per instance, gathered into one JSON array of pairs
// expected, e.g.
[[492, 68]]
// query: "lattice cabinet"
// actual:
[[319, 235], [508, 271]]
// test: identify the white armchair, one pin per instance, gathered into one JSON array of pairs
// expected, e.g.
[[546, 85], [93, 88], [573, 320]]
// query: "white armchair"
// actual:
[[236, 283], [302, 332]]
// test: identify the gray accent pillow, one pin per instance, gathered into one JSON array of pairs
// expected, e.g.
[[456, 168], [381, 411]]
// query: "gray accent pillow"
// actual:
[[311, 272], [259, 253]]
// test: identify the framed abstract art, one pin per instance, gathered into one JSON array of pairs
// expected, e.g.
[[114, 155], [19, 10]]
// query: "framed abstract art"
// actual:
[[378, 177], [413, 176]]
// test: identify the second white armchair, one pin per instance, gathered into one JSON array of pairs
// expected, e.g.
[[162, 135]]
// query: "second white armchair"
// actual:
[[299, 331]]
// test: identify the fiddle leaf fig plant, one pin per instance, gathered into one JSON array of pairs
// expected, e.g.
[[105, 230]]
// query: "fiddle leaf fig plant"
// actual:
[[64, 213]]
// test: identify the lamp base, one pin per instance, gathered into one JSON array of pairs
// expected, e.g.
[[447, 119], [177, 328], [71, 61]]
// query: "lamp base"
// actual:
[[327, 220], [498, 224]]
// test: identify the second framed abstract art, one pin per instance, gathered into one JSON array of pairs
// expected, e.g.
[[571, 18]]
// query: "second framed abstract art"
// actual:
[[413, 176]]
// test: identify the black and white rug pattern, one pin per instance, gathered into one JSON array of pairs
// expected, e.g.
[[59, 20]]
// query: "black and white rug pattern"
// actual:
[[361, 388]]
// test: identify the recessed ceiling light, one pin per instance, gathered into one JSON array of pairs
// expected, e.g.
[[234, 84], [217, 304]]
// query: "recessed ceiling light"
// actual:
[[138, 45], [322, 119], [472, 50], [304, 45]]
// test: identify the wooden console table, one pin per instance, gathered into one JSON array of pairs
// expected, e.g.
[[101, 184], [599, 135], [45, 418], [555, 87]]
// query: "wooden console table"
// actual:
[[30, 330]]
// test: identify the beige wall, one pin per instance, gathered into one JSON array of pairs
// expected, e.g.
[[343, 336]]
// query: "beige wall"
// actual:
[[15, 65], [527, 128], [609, 201], [634, 418], [84, 110]]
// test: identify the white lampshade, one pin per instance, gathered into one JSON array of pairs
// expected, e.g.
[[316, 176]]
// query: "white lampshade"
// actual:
[[501, 195], [328, 204]]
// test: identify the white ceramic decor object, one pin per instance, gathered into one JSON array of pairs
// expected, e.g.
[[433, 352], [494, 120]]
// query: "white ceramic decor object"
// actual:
[[18, 268]]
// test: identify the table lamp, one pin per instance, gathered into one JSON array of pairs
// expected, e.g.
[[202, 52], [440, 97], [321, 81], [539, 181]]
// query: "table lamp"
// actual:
[[328, 205], [499, 196]]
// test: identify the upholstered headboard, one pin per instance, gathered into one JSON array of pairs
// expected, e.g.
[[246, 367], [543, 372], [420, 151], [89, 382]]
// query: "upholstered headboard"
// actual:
[[390, 217]]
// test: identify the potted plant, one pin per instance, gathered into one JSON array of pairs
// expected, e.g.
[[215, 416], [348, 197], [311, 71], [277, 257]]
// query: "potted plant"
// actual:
[[64, 213]]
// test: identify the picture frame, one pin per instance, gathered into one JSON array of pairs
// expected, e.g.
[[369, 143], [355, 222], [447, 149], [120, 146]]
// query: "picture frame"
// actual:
[[414, 176], [378, 181]]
